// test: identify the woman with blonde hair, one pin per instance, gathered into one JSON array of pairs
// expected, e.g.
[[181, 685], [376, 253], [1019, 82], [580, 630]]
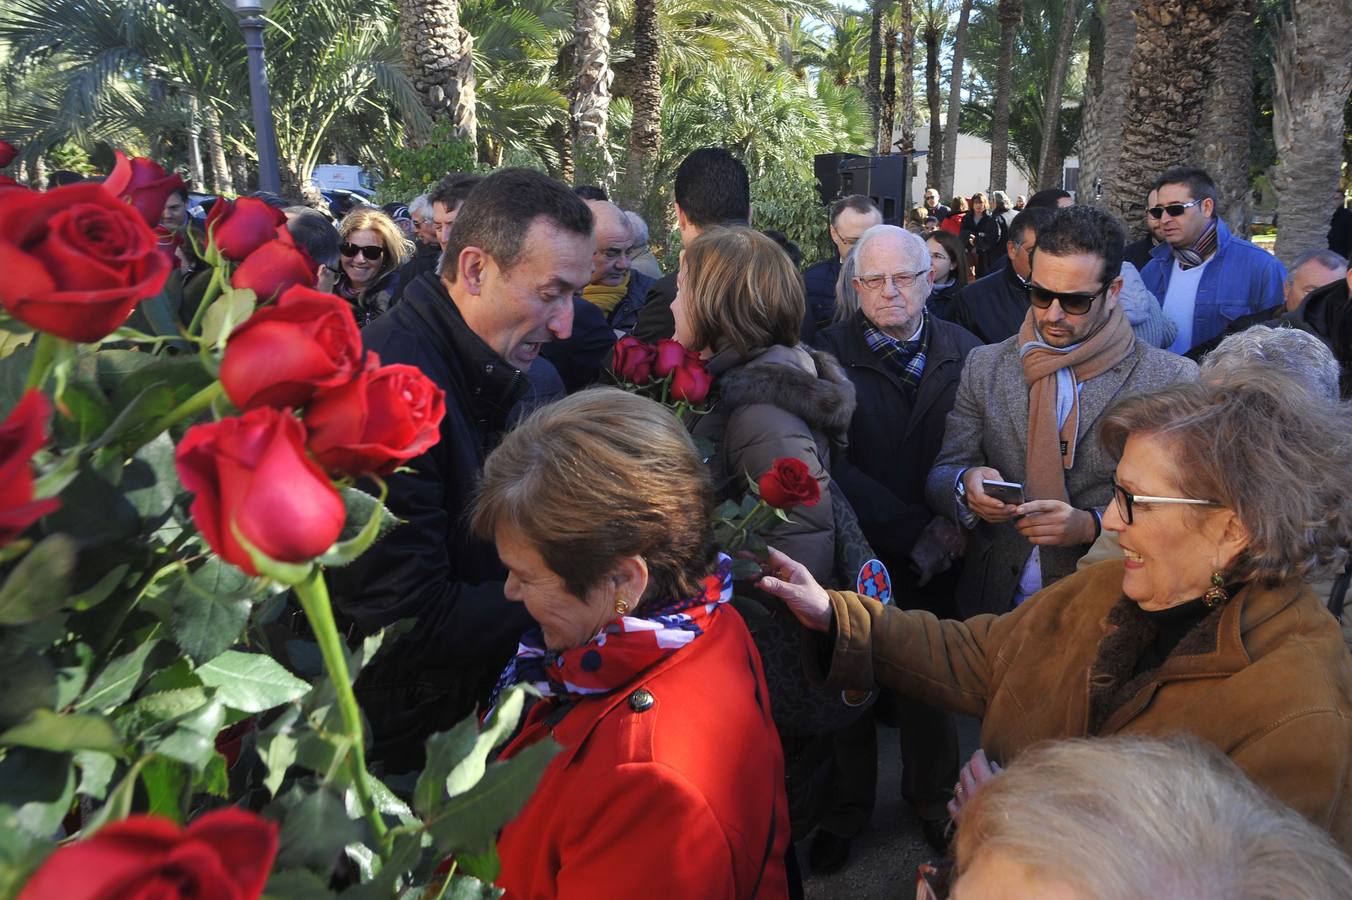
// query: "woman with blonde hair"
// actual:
[[372, 250]]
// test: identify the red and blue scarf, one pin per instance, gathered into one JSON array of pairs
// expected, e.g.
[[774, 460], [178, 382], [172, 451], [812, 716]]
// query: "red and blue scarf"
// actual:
[[622, 650]]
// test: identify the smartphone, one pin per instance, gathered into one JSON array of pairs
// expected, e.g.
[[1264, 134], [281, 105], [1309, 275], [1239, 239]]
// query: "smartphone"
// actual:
[[1005, 491]]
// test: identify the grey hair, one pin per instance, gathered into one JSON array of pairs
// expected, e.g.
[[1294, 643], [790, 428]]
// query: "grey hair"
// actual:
[[1127, 817], [917, 253], [420, 207], [1296, 352], [847, 295], [637, 227], [1326, 259]]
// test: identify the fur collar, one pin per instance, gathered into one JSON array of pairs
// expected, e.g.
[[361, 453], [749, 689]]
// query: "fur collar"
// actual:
[[822, 397]]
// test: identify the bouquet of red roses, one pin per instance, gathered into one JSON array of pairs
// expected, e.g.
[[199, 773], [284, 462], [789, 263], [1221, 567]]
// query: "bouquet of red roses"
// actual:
[[665, 371]]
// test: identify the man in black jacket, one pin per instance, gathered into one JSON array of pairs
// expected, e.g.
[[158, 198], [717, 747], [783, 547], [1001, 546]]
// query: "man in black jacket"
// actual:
[[521, 248], [994, 307], [1327, 312], [444, 202], [905, 366]]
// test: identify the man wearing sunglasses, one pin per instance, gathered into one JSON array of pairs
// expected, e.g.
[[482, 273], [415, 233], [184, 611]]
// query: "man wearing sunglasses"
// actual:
[[1204, 276], [995, 305], [1027, 411]]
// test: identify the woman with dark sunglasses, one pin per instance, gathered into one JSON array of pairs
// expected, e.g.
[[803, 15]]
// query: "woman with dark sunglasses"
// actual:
[[372, 250]]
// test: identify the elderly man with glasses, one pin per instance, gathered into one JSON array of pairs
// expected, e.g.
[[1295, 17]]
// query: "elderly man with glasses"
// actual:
[[1204, 276], [1026, 413]]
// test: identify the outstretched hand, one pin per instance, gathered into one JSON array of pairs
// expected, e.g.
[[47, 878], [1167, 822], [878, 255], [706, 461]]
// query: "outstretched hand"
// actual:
[[791, 582]]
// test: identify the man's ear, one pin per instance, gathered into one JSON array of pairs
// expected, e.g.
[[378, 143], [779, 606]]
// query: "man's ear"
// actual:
[[1114, 291], [470, 269], [681, 221], [1208, 207]]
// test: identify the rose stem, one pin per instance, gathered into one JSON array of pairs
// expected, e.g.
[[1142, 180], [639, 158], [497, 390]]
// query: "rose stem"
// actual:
[[313, 594], [44, 352], [190, 407], [213, 291]]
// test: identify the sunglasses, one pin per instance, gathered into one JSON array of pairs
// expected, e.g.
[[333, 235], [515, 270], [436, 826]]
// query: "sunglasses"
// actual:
[[1173, 209], [370, 253], [1071, 304]]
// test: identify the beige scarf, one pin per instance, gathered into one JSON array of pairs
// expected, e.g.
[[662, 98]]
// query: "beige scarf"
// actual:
[[1105, 348]]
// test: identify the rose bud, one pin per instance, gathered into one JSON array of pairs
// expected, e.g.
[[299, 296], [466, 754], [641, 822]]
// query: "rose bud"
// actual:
[[789, 483], [241, 226], [76, 260], [20, 437], [274, 267], [226, 854], [284, 353], [7, 153], [384, 417], [252, 473], [670, 355], [633, 360], [143, 184], [691, 382]]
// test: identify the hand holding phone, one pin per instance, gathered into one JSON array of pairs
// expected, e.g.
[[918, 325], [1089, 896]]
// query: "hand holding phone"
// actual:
[[1010, 492]]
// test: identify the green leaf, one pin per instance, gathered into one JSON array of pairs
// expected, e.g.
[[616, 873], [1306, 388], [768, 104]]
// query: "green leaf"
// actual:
[[206, 624], [150, 481], [465, 887], [499, 727], [484, 866], [39, 584], [27, 683], [456, 759], [745, 570], [45, 730], [404, 857], [367, 519], [469, 822], [21, 852], [39, 785], [96, 773], [118, 804], [278, 752], [231, 309], [251, 682], [215, 778], [748, 504], [297, 884], [71, 680], [84, 414], [165, 781], [100, 591], [193, 740], [315, 831], [137, 416], [119, 679], [727, 509]]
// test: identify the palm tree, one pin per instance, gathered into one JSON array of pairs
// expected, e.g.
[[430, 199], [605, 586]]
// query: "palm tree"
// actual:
[[1050, 159], [873, 88], [888, 119], [932, 30], [439, 56], [589, 99], [1009, 15], [906, 15], [645, 133], [1105, 96], [955, 101], [1313, 83], [1226, 134]]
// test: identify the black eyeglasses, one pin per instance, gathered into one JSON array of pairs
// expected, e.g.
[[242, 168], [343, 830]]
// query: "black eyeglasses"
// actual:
[[1072, 304], [1127, 501], [1173, 209], [370, 253]]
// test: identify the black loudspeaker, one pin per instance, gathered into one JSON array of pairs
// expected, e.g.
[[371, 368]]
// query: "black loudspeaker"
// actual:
[[884, 178], [826, 166]]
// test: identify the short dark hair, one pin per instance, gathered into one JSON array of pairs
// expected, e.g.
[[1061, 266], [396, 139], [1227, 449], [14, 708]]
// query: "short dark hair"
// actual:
[[454, 189], [1031, 219], [957, 254], [1198, 181], [315, 234], [1083, 229], [857, 202], [712, 188], [591, 192], [789, 246], [1047, 198], [501, 209]]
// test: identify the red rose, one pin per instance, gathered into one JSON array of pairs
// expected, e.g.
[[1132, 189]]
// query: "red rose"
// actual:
[[20, 437], [633, 360], [274, 267], [76, 260], [7, 182], [226, 854], [284, 353], [691, 382], [670, 355], [252, 472], [789, 484], [241, 226], [385, 416], [143, 184], [7, 153]]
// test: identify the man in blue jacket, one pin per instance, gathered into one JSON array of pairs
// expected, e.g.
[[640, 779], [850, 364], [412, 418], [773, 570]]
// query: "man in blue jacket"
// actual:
[[1203, 275]]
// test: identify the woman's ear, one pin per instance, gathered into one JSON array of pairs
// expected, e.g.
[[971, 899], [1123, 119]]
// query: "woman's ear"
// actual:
[[630, 579], [1234, 538]]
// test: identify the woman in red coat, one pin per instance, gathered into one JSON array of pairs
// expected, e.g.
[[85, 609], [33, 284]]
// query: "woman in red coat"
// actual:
[[670, 781]]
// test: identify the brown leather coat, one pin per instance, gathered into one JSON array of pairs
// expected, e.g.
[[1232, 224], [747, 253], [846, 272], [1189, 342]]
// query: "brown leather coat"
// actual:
[[1266, 678]]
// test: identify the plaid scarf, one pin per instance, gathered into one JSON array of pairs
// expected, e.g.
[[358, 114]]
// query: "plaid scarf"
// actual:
[[905, 358], [1189, 257], [624, 648]]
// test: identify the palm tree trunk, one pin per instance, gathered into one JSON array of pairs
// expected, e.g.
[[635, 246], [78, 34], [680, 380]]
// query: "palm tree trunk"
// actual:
[[196, 176], [872, 84], [439, 56], [1050, 157], [645, 133], [1009, 14], [1104, 97], [954, 102], [1227, 122], [562, 141], [589, 105], [220, 170], [239, 173], [37, 172], [1313, 80], [1170, 69], [931, 33], [889, 115], [907, 12]]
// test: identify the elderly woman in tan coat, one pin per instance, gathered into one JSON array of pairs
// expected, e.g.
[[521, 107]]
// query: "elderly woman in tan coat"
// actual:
[[1226, 497]]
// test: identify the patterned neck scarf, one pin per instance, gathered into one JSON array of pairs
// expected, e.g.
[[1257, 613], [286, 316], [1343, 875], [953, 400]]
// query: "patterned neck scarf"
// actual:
[[1189, 257], [906, 359], [626, 647]]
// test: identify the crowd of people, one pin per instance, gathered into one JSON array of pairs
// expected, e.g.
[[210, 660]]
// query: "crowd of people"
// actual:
[[1106, 480]]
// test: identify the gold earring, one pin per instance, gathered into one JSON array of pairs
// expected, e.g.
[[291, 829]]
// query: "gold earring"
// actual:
[[621, 608], [1217, 594]]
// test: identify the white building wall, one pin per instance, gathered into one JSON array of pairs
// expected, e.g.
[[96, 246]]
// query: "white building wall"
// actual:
[[972, 172]]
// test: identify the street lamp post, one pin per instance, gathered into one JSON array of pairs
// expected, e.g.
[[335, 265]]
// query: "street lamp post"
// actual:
[[250, 14]]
